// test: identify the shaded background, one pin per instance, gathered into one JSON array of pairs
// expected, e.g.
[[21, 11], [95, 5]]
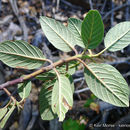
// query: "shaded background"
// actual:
[[19, 20]]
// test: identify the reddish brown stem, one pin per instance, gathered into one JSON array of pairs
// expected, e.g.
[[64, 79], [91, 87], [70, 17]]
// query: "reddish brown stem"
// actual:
[[42, 70], [9, 94], [9, 83]]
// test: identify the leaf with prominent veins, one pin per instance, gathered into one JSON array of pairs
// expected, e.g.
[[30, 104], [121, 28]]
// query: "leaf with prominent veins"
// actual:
[[74, 25], [118, 37], [45, 101], [62, 97], [59, 35], [107, 84], [20, 54], [3, 111], [6, 117], [92, 29], [24, 89]]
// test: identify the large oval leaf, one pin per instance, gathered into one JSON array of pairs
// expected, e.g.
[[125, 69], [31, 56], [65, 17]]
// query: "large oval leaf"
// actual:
[[107, 84], [92, 30], [57, 34], [20, 54], [118, 37], [24, 89], [74, 25], [62, 97], [45, 101]]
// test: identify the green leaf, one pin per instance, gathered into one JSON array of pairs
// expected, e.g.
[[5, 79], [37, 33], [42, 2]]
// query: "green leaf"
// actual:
[[118, 37], [45, 101], [107, 84], [92, 30], [3, 111], [74, 25], [90, 100], [73, 125], [57, 34], [24, 89], [4, 120], [62, 97], [71, 82], [62, 69], [46, 76], [20, 54]]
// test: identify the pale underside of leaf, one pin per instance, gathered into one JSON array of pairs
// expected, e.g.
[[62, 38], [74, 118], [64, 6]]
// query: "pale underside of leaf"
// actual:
[[24, 89], [3, 111], [45, 101], [74, 25], [62, 97], [107, 84], [118, 37], [4, 120], [57, 34], [20, 54]]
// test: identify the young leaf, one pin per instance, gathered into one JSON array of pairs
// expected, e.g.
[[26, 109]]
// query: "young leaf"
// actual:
[[92, 30], [62, 97], [24, 89], [45, 101], [3, 111], [74, 25], [20, 54], [107, 84], [57, 34], [118, 37], [4, 120]]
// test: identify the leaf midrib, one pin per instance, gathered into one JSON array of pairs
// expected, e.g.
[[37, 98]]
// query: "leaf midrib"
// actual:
[[71, 47], [29, 57], [76, 28], [104, 84], [90, 37], [118, 38]]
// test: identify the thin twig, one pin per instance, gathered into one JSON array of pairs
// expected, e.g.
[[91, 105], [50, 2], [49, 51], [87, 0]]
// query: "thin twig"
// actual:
[[78, 79], [54, 68], [70, 5], [104, 4], [9, 94], [57, 5], [43, 7], [81, 90], [79, 86], [42, 70], [112, 14], [115, 9], [6, 19], [20, 19], [91, 4], [127, 16], [13, 82], [53, 6]]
